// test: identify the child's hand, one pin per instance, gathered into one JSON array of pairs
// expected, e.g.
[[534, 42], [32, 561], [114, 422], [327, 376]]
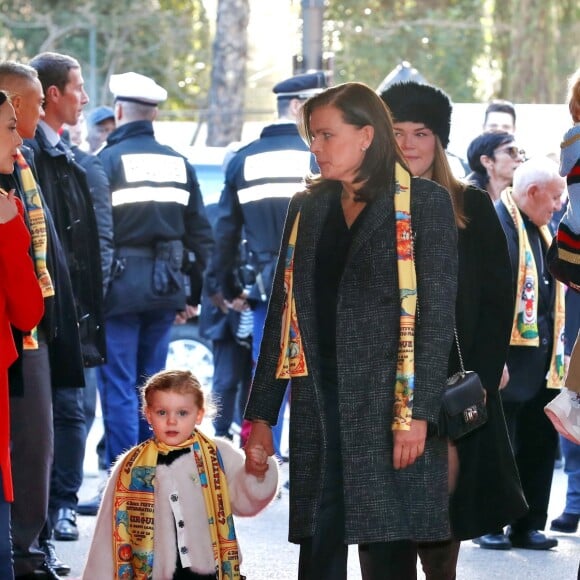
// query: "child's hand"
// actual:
[[8, 208], [256, 461]]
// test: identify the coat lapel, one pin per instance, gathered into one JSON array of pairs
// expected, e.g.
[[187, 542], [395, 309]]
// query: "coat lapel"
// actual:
[[312, 217], [376, 216]]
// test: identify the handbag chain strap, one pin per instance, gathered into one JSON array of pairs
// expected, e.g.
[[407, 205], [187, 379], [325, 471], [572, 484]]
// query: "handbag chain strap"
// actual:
[[459, 351]]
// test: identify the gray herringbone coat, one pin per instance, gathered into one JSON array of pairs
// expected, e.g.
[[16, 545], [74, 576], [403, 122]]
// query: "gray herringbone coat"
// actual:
[[381, 504]]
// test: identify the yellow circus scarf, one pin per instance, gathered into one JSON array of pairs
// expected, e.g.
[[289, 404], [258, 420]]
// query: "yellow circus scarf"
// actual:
[[525, 324], [37, 225], [134, 509], [292, 360]]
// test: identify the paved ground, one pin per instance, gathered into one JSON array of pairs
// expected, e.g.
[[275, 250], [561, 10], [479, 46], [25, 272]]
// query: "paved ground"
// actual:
[[268, 556]]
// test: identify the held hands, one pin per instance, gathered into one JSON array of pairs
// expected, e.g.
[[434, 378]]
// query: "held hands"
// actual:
[[258, 447], [8, 208], [184, 315], [409, 445], [240, 303]]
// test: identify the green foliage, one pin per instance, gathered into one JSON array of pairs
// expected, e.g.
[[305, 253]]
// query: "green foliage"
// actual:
[[442, 39], [165, 39]]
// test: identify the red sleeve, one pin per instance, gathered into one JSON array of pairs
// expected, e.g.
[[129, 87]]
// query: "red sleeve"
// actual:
[[24, 302]]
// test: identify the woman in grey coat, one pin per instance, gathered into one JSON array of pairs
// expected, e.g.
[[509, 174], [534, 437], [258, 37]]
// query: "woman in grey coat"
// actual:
[[365, 465]]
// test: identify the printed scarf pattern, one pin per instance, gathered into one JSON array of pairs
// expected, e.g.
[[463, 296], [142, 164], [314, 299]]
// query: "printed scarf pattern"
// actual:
[[37, 224], [525, 323], [134, 509], [292, 360]]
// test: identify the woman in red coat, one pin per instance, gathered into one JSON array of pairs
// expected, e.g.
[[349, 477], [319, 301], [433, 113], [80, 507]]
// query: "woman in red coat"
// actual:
[[21, 305]]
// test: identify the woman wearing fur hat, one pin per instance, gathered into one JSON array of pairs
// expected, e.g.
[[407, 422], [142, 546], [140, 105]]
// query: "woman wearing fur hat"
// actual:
[[487, 492]]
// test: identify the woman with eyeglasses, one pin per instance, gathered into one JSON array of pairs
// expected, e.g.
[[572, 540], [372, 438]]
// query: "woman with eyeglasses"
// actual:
[[493, 158], [483, 480], [21, 305]]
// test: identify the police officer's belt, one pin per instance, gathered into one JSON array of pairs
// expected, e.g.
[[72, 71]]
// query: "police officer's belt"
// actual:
[[135, 252]]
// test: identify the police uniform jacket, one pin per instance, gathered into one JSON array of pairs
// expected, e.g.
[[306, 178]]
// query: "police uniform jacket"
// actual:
[[260, 180], [64, 185], [156, 199], [59, 323]]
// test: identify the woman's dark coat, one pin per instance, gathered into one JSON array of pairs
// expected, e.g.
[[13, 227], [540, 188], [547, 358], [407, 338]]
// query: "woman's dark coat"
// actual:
[[488, 494], [381, 504]]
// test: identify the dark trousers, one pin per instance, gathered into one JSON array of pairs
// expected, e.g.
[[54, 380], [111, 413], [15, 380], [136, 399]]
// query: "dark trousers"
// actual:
[[69, 448], [439, 559], [137, 346], [231, 383], [6, 570], [32, 453], [534, 441], [90, 406]]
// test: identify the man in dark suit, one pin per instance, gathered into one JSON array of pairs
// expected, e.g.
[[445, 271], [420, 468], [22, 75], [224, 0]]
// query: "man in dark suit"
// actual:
[[535, 358]]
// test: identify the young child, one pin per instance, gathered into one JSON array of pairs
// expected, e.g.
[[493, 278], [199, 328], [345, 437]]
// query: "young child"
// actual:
[[564, 410], [570, 169], [167, 511]]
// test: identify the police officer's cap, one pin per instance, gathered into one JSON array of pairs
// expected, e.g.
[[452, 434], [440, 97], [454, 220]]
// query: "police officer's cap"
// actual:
[[301, 86], [99, 115], [136, 88]]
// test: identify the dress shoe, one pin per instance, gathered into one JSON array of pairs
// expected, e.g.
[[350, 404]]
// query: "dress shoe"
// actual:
[[532, 540], [45, 572], [53, 560], [493, 542], [566, 523], [89, 507], [65, 526]]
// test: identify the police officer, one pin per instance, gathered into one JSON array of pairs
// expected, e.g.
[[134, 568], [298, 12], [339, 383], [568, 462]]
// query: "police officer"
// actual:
[[159, 218], [260, 180], [100, 124]]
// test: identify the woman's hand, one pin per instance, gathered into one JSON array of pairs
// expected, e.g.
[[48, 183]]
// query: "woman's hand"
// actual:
[[258, 447], [409, 445], [8, 208], [505, 378]]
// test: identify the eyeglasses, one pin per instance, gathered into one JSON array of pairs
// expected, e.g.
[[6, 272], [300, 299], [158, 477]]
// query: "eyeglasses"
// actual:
[[513, 151]]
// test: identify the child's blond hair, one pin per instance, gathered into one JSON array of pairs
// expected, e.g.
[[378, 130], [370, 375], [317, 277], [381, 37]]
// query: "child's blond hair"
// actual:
[[574, 96], [173, 381]]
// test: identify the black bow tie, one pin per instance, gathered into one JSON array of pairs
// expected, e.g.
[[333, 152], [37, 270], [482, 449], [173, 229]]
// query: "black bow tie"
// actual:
[[170, 457]]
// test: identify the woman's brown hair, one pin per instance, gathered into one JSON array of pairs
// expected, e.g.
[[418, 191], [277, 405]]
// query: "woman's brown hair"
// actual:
[[443, 175], [360, 106]]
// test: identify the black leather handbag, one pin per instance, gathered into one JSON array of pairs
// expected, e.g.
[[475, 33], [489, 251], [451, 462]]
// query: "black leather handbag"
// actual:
[[463, 405]]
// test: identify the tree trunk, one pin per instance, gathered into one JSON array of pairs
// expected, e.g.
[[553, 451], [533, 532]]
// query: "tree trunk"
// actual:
[[532, 63], [225, 117]]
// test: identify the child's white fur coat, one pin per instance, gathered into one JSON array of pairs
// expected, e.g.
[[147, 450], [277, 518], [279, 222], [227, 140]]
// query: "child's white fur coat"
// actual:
[[248, 497]]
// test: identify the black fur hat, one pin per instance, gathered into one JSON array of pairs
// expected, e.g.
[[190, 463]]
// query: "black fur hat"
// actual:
[[419, 103]]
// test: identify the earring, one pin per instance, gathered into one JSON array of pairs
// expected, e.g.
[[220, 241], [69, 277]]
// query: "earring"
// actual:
[[363, 149]]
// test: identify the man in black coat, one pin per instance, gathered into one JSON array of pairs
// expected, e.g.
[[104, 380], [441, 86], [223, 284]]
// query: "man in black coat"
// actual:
[[67, 194], [535, 358]]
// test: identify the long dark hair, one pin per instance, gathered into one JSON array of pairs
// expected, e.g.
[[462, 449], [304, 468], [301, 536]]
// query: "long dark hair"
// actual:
[[360, 106]]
